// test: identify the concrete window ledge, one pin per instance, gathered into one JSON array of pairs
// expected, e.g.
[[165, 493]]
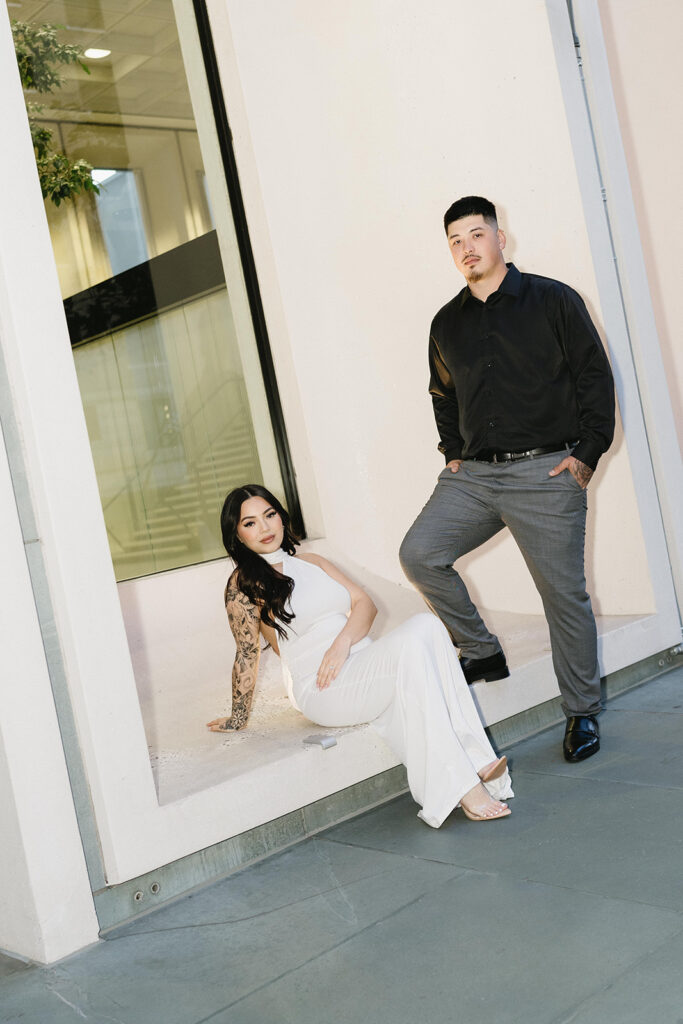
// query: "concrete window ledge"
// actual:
[[236, 798], [182, 653]]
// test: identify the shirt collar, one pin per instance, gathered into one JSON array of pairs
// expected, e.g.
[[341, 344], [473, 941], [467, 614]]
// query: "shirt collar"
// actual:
[[510, 285]]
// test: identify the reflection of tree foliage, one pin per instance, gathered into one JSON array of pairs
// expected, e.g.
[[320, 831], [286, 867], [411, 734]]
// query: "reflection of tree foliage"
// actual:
[[39, 56]]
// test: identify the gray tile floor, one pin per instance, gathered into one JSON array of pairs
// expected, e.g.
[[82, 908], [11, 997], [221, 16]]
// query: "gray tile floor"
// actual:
[[571, 910]]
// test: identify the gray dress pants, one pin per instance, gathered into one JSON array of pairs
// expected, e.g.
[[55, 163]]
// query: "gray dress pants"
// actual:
[[547, 517]]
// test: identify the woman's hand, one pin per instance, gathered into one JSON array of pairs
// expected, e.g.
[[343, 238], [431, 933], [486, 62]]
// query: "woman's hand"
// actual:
[[332, 662], [357, 625], [241, 705], [231, 724]]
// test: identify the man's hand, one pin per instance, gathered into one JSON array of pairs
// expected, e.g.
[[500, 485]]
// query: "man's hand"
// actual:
[[454, 465], [579, 470]]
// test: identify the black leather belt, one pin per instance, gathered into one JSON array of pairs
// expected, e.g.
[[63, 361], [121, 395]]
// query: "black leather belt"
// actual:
[[491, 456]]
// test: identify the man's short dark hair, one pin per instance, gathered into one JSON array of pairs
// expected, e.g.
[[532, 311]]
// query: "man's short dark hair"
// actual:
[[470, 206]]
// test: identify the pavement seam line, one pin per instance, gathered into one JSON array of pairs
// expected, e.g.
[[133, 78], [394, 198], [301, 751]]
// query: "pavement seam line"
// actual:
[[596, 778], [587, 1000], [497, 873], [283, 906], [60, 975], [408, 856], [249, 917], [646, 711], [324, 952]]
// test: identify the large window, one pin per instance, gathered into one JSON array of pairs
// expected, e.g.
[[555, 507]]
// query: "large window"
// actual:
[[175, 412]]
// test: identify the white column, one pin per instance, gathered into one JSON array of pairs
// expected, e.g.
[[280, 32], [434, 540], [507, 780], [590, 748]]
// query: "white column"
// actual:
[[46, 907], [653, 386], [58, 491]]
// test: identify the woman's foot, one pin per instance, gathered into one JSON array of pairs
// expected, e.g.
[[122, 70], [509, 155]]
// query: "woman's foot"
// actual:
[[479, 806], [494, 770]]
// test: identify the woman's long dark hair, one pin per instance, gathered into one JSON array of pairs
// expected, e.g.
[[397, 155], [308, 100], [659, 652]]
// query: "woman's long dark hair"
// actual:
[[265, 587]]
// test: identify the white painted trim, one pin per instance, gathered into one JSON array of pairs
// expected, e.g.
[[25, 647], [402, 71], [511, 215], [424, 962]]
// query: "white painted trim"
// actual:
[[61, 495], [271, 296], [655, 397], [227, 241], [46, 907], [620, 330]]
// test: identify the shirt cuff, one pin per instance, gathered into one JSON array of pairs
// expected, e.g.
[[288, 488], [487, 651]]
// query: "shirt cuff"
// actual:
[[452, 453], [588, 453]]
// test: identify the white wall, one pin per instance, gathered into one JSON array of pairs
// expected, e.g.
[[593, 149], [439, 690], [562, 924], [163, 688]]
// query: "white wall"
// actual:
[[355, 126], [643, 40], [622, 271], [46, 908], [59, 490]]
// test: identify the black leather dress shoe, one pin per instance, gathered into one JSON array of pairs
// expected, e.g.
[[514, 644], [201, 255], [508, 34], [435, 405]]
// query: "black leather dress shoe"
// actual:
[[485, 669], [581, 737]]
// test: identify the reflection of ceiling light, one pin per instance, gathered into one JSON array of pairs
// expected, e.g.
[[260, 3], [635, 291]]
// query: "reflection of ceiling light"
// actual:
[[101, 174], [95, 54]]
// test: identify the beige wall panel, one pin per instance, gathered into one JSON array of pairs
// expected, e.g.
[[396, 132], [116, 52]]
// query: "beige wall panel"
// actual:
[[643, 41], [365, 121]]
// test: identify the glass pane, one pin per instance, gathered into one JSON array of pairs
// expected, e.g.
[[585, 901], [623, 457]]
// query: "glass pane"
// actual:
[[171, 432], [120, 215], [156, 351]]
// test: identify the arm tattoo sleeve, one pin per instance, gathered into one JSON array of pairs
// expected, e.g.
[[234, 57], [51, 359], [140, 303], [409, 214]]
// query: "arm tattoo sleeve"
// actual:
[[244, 618], [582, 472]]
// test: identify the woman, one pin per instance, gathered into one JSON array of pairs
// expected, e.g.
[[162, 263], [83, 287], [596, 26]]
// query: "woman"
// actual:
[[408, 683]]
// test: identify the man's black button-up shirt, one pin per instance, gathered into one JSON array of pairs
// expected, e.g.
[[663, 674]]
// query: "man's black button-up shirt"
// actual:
[[522, 370]]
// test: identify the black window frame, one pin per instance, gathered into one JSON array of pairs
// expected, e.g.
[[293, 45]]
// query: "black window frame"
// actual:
[[248, 266]]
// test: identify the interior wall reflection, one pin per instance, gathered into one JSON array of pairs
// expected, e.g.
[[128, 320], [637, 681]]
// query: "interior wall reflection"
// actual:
[[170, 429], [158, 361], [152, 195]]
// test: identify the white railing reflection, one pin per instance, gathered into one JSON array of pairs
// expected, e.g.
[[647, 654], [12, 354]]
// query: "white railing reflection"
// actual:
[[170, 431]]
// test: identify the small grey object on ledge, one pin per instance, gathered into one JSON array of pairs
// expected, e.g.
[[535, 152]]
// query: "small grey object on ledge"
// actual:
[[321, 740]]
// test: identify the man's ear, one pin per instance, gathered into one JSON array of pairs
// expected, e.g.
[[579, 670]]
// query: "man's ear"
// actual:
[[502, 240]]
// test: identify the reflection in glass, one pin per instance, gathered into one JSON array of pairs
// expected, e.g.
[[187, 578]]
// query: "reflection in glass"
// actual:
[[156, 350], [120, 216], [170, 430]]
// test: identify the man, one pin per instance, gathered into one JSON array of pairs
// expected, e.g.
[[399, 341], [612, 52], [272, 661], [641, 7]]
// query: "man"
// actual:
[[524, 405]]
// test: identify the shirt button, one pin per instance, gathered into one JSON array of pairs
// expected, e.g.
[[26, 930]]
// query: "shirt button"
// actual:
[[490, 363], [492, 423]]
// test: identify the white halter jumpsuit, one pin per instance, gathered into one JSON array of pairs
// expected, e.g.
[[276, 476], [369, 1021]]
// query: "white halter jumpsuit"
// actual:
[[408, 684]]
